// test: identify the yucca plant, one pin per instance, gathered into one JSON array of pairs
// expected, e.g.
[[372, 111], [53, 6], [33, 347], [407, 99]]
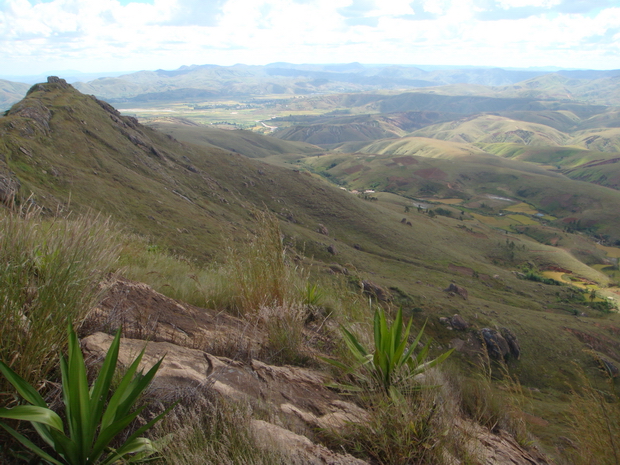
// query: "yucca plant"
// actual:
[[93, 420], [392, 363]]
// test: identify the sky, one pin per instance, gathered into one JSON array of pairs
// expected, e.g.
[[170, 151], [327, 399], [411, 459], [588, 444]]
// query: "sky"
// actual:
[[39, 36]]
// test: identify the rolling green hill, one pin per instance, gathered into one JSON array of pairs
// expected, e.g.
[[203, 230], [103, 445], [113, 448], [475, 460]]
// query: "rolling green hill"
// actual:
[[489, 129]]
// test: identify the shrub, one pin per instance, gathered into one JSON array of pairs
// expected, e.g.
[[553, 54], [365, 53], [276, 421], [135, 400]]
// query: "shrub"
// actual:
[[391, 363]]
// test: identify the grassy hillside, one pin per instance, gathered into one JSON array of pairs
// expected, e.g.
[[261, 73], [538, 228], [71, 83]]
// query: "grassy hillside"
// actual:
[[601, 90], [63, 150], [488, 129], [248, 143], [419, 167]]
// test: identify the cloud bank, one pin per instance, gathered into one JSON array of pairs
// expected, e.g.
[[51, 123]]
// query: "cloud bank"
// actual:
[[111, 35]]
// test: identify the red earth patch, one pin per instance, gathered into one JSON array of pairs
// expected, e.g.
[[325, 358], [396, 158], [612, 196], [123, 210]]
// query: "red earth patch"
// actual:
[[406, 160], [432, 173]]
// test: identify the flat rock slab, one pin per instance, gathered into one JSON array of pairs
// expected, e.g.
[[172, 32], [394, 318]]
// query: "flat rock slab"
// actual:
[[296, 392]]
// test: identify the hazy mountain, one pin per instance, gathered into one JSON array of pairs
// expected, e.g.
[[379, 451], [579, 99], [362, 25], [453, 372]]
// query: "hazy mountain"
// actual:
[[11, 92]]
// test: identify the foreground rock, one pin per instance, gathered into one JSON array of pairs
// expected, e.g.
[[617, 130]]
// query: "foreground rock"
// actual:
[[299, 449], [299, 393]]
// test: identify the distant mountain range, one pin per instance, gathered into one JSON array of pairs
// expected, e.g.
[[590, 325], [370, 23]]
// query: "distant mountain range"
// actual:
[[197, 83]]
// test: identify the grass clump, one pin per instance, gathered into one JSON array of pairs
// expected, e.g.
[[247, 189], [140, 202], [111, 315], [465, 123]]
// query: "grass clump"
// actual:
[[260, 274], [595, 424], [210, 431], [495, 404], [420, 427], [50, 270]]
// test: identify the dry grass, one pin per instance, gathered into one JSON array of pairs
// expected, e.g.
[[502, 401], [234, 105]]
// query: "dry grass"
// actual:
[[595, 424], [417, 428], [49, 276], [497, 404], [259, 274], [206, 430]]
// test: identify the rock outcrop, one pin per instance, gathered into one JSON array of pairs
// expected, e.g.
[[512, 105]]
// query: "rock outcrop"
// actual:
[[497, 346], [297, 396]]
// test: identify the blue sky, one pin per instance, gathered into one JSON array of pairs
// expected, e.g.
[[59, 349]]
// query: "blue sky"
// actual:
[[37, 36]]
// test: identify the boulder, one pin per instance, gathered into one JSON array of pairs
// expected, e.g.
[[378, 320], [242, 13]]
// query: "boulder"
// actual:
[[299, 450], [322, 230], [337, 269], [375, 290], [332, 250], [458, 290], [513, 343], [459, 323], [497, 346]]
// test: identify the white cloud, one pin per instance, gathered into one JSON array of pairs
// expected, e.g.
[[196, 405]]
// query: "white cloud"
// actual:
[[99, 35]]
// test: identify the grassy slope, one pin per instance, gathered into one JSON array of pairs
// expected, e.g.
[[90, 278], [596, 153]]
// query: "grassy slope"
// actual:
[[487, 129], [71, 150], [420, 167], [247, 143]]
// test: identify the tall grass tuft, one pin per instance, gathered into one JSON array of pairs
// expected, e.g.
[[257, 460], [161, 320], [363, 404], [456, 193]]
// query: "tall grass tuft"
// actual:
[[210, 431], [260, 274], [595, 424], [495, 404], [50, 270], [174, 276]]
